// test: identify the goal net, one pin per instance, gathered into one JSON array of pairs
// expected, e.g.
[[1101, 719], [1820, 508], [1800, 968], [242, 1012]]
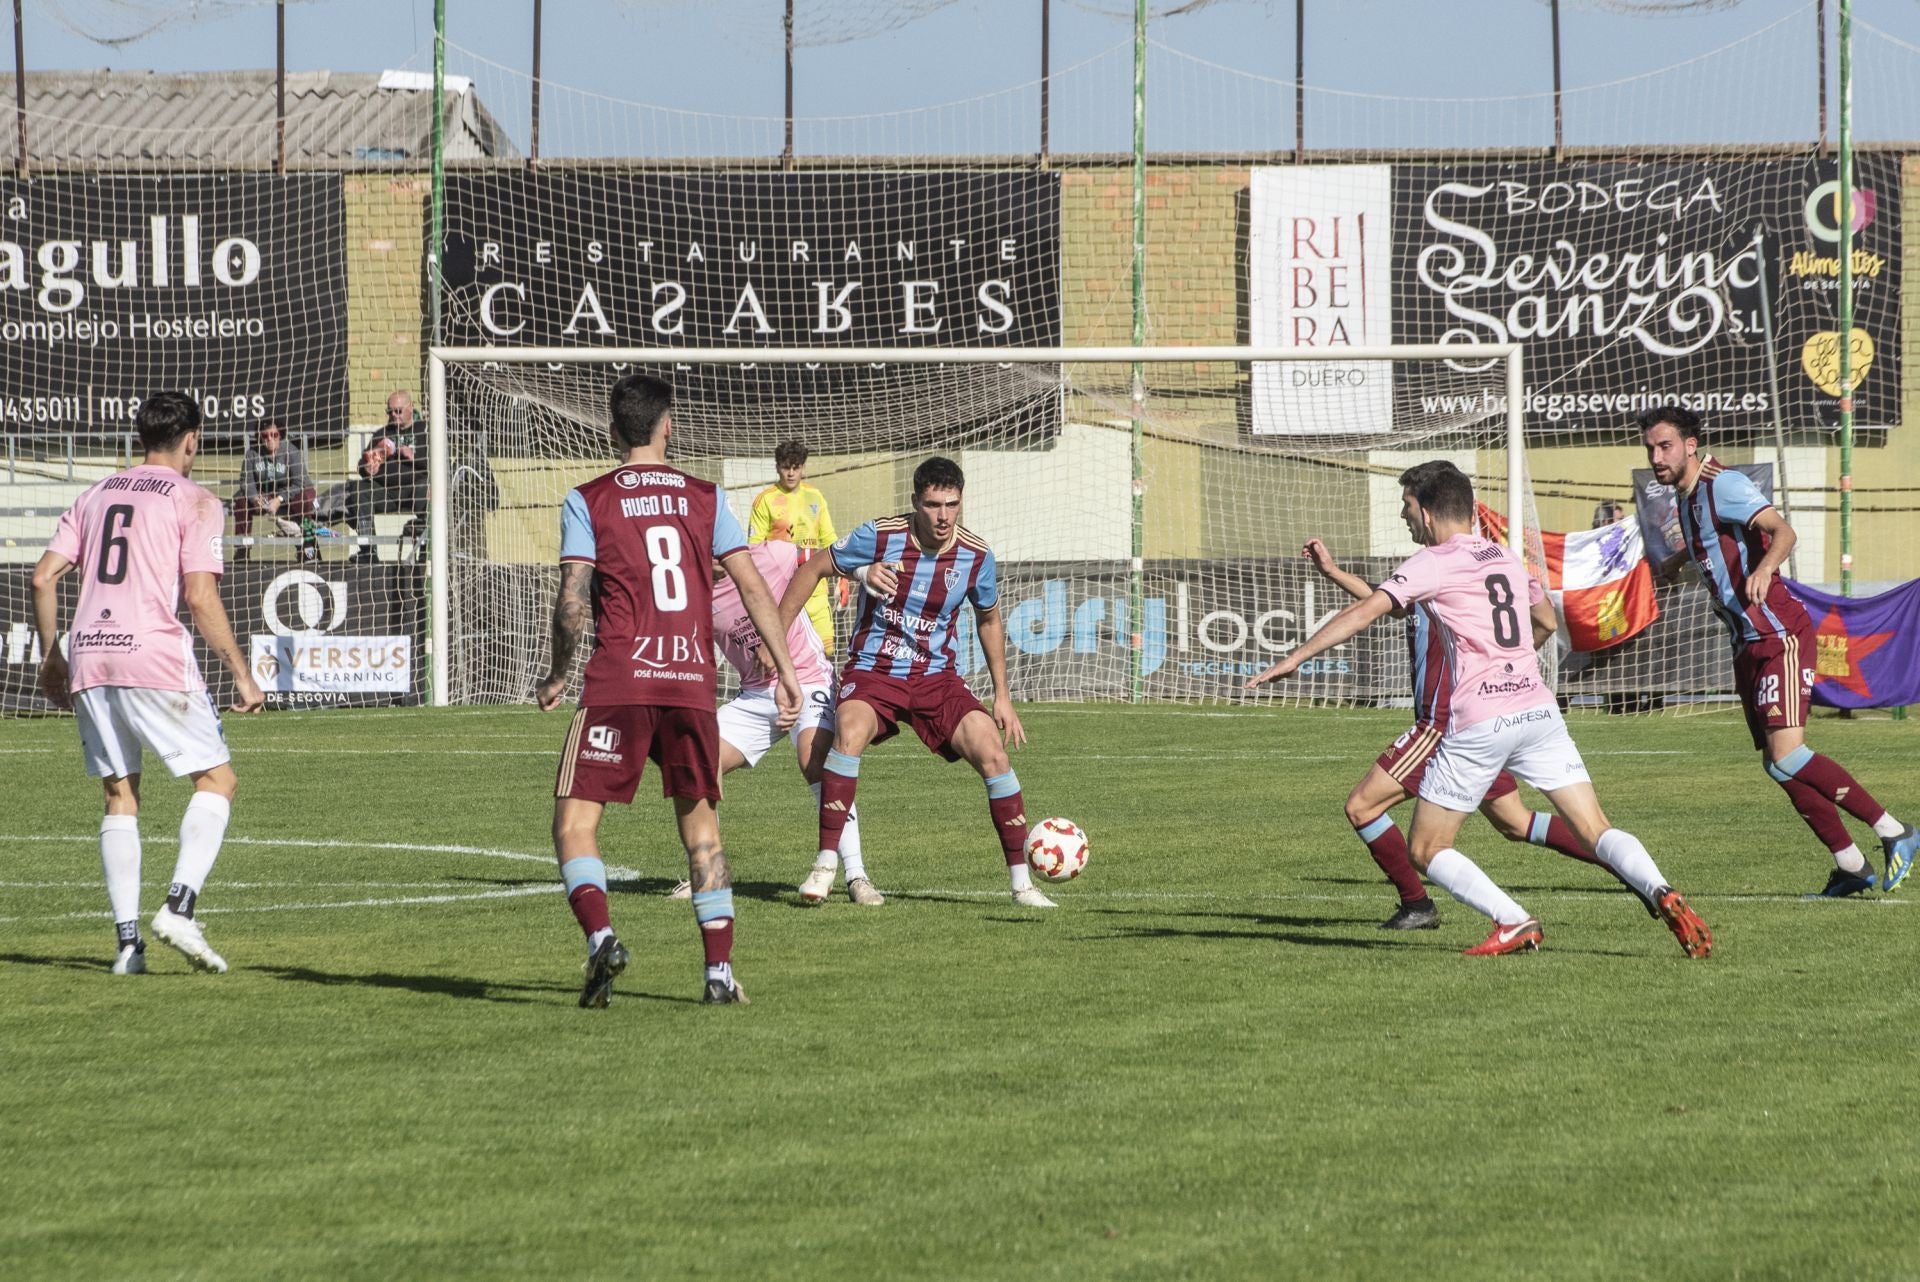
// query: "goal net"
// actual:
[[1147, 547]]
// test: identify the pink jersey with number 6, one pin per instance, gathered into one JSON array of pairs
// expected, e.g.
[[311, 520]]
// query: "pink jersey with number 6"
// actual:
[[1481, 596], [739, 639], [133, 537]]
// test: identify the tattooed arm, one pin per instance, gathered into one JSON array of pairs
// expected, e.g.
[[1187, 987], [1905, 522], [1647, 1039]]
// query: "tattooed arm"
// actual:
[[572, 607]]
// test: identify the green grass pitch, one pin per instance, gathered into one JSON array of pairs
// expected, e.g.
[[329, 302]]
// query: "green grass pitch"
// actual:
[[1206, 1064]]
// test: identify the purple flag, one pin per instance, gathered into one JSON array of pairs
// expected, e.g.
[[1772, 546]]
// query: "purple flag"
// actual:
[[1867, 649]]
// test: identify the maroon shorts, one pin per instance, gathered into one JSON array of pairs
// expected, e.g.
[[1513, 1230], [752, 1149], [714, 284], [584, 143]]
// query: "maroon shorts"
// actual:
[[933, 705], [1775, 679], [1407, 757], [608, 747]]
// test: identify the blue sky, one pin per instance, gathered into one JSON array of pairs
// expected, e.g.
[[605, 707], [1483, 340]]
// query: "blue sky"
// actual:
[[1220, 77]]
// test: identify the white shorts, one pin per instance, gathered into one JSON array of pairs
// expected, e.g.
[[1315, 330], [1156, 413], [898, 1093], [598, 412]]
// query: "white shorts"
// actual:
[[1533, 744], [750, 722], [183, 730]]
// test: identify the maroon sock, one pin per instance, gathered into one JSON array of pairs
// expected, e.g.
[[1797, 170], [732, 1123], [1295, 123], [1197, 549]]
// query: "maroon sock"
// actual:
[[1010, 823], [1560, 837], [836, 802], [1819, 813], [716, 937], [1829, 778], [1389, 849], [589, 904]]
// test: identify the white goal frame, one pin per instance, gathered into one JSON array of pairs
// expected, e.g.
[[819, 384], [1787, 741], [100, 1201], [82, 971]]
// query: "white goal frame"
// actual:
[[438, 358]]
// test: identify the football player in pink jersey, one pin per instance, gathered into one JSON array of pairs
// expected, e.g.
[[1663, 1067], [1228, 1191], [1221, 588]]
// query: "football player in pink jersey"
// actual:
[[1502, 715], [142, 539], [750, 722], [635, 546], [1395, 776]]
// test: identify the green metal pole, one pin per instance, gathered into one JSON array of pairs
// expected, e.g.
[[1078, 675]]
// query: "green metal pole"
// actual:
[[1136, 595], [436, 218], [437, 198], [1844, 215]]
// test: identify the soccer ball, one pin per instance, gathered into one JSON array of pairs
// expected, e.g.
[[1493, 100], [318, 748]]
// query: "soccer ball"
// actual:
[[1056, 849]]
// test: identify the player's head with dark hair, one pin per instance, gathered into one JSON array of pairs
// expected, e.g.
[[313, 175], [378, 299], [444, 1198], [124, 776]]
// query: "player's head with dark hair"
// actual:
[[1441, 488], [937, 486], [1673, 437], [639, 404], [790, 454], [938, 473], [1682, 420], [166, 419]]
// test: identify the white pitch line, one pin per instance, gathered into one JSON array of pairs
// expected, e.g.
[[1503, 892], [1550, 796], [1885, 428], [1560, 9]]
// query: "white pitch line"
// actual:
[[397, 902], [613, 870]]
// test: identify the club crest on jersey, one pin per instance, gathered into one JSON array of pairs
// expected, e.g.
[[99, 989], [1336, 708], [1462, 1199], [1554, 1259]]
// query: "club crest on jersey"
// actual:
[[952, 577], [627, 480]]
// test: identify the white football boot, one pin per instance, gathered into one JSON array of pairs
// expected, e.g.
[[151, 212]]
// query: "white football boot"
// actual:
[[131, 961], [1032, 898], [681, 890], [184, 933], [819, 883]]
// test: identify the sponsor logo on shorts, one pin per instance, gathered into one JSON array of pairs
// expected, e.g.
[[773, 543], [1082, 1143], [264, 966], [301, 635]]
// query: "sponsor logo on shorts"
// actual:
[[1522, 718], [846, 689], [603, 746]]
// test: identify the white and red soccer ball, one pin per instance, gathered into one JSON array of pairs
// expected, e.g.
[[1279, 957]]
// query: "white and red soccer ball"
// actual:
[[1056, 849]]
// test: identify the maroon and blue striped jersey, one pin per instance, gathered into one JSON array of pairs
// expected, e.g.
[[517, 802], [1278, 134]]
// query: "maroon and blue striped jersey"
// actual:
[[651, 533], [912, 633], [1716, 518], [1430, 664]]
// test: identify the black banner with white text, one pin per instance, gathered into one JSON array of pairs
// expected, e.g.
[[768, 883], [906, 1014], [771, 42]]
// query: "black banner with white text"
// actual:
[[230, 287]]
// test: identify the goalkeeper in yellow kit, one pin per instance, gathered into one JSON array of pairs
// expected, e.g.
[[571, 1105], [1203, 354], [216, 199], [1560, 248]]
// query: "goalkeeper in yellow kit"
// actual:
[[794, 512]]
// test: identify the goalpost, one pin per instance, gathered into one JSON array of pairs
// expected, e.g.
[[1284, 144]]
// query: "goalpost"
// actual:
[[1241, 453]]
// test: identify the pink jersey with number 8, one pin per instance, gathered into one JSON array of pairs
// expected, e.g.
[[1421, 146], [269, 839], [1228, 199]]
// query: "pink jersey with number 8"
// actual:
[[1481, 597]]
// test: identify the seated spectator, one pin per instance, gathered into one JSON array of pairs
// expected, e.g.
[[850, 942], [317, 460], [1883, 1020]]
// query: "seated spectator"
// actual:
[[273, 482], [393, 471]]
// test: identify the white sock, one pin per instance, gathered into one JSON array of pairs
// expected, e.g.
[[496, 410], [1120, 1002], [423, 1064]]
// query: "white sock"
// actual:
[[830, 858], [1621, 851], [723, 971], [594, 940], [1460, 877], [120, 860], [1887, 826], [850, 844], [1851, 860], [201, 830], [1020, 875]]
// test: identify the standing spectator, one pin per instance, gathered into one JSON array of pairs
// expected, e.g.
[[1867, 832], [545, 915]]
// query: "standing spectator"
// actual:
[[274, 482], [393, 472], [792, 511]]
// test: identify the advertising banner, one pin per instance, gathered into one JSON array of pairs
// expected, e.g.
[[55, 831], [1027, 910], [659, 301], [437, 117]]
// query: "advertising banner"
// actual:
[[1635, 284], [1320, 275], [1206, 627], [229, 287], [326, 635], [758, 259]]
